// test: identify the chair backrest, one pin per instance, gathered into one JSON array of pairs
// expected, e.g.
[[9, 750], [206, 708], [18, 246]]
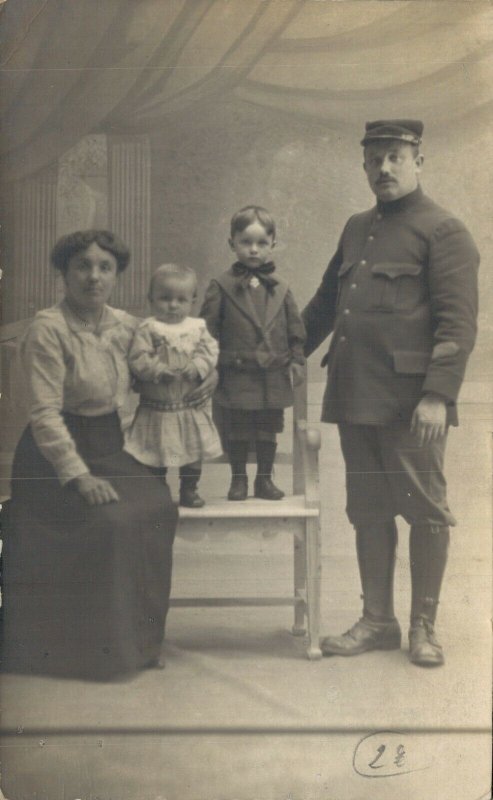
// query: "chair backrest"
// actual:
[[13, 399], [300, 414]]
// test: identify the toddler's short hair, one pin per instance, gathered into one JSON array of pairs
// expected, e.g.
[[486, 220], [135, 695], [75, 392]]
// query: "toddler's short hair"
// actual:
[[250, 214], [175, 270]]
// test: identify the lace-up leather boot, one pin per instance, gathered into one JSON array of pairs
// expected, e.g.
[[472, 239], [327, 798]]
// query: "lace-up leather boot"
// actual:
[[424, 648], [428, 549], [378, 628]]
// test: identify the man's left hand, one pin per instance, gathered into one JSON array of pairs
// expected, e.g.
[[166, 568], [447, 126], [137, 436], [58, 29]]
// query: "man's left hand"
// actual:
[[429, 421]]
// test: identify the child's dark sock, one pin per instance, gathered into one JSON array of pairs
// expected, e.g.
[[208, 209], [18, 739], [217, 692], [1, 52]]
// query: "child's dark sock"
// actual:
[[159, 472], [266, 453], [238, 456]]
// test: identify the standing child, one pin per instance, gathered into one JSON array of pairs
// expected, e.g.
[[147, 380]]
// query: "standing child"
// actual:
[[255, 319], [170, 355]]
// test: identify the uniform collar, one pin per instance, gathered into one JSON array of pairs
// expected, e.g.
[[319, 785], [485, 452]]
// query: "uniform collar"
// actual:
[[402, 204]]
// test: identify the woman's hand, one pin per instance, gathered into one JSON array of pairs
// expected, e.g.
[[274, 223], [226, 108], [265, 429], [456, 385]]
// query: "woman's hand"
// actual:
[[95, 491], [190, 371], [204, 390], [167, 375]]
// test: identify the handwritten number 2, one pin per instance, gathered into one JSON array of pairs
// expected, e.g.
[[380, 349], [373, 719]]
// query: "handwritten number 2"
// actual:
[[373, 764]]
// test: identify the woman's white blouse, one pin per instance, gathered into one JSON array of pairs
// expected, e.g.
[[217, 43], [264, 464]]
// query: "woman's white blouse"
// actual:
[[72, 366]]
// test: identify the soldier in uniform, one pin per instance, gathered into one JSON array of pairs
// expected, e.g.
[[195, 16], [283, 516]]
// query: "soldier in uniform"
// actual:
[[400, 298]]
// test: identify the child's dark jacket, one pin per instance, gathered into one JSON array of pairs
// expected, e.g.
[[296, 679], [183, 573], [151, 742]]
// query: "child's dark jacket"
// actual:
[[254, 354]]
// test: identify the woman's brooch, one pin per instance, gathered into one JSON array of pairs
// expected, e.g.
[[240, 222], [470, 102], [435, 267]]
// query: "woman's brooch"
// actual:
[[254, 282]]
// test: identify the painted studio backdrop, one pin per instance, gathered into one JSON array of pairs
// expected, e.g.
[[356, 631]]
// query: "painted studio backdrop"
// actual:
[[159, 118]]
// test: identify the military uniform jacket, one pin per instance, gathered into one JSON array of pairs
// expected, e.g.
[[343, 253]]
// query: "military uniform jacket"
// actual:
[[255, 353], [400, 296]]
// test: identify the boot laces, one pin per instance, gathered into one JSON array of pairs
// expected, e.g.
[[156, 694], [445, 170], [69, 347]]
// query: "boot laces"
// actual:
[[427, 624]]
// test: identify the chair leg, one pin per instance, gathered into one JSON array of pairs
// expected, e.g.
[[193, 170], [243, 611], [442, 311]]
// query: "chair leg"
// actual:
[[313, 575], [299, 548]]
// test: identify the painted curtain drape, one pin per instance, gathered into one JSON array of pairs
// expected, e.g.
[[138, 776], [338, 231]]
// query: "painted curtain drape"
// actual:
[[71, 68]]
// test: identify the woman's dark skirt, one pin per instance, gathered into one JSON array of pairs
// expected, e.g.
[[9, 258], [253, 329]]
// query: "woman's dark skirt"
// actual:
[[85, 588]]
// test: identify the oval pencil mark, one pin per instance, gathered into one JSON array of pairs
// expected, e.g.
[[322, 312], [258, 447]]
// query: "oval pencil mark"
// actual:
[[385, 754]]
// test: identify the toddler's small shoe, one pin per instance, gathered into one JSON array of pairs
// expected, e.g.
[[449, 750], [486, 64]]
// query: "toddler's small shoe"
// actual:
[[190, 498], [239, 488], [266, 489]]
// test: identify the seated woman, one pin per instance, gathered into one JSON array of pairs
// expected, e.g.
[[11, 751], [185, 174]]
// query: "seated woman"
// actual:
[[88, 545]]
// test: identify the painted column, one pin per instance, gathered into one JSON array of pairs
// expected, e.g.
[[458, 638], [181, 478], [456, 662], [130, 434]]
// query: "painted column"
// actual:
[[34, 221], [129, 180]]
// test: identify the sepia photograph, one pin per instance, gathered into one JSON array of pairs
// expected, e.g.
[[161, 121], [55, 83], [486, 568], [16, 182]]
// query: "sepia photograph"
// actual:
[[246, 399]]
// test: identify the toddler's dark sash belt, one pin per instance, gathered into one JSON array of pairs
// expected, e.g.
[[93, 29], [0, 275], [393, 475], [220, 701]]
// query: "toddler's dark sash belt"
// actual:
[[178, 405]]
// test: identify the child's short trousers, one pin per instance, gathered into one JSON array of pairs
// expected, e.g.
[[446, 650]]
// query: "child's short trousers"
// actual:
[[258, 425]]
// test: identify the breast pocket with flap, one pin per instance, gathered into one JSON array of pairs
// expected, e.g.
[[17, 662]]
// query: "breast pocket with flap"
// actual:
[[396, 286]]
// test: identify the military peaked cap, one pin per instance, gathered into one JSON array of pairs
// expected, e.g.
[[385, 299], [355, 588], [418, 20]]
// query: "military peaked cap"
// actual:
[[405, 130]]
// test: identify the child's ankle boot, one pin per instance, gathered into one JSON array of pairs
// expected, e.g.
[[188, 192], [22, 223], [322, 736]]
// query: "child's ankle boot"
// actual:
[[189, 496], [264, 486], [238, 455], [239, 488], [266, 489]]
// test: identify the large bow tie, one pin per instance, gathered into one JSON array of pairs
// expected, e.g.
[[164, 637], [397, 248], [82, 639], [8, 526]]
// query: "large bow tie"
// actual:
[[262, 274]]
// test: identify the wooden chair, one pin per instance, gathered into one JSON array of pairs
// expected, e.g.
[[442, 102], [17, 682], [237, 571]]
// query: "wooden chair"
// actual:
[[297, 515], [13, 401]]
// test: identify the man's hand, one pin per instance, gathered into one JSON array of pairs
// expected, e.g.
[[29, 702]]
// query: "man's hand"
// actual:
[[205, 390], [95, 491], [298, 374], [429, 421]]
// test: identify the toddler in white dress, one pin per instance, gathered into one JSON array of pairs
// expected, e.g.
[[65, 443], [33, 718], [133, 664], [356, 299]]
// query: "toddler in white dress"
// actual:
[[170, 355]]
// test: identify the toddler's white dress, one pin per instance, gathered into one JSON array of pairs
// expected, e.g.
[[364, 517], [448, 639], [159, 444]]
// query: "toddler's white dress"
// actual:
[[166, 430]]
